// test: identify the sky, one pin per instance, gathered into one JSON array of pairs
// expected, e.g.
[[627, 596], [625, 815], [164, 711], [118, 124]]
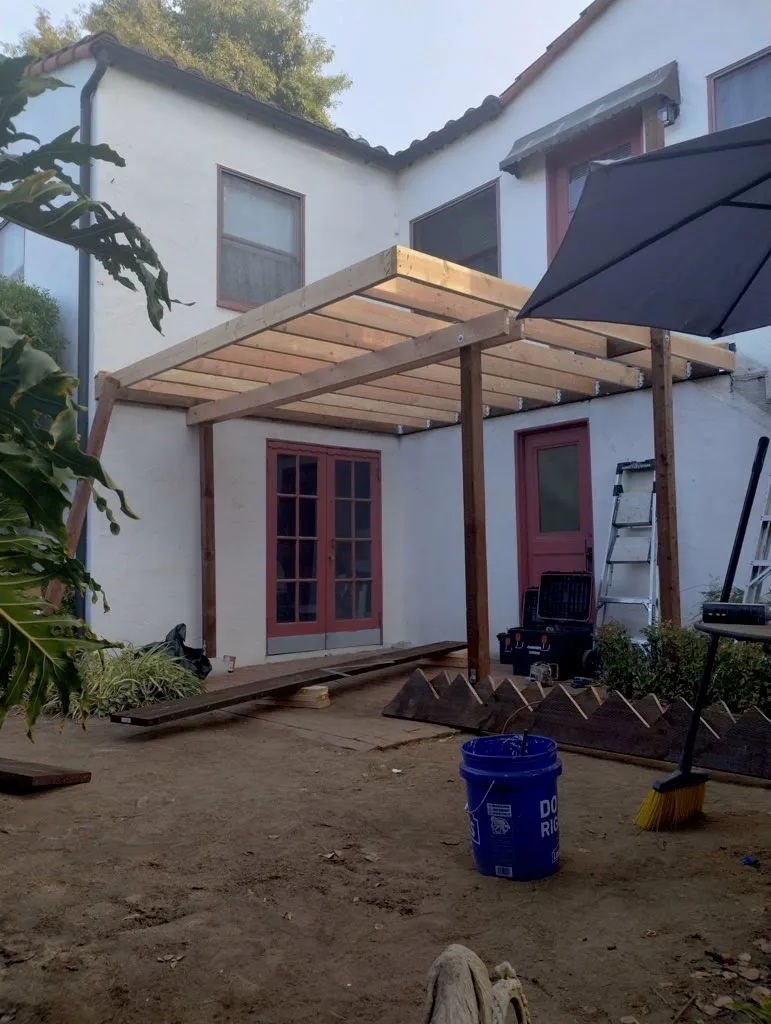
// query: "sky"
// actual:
[[414, 63]]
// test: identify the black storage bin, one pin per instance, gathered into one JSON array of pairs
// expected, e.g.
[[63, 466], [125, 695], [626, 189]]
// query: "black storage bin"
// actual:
[[558, 632]]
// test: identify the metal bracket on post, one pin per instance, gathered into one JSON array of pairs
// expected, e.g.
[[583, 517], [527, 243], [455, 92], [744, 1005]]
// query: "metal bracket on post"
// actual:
[[486, 411], [597, 391], [640, 379], [558, 396], [399, 429]]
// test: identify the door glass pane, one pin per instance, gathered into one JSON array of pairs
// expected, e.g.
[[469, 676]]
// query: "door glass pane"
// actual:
[[343, 600], [307, 517], [363, 559], [285, 526], [342, 479], [363, 525], [307, 560], [558, 501], [307, 603], [285, 560], [309, 474], [578, 174], [343, 561], [285, 473], [361, 479], [343, 518], [363, 599], [285, 602]]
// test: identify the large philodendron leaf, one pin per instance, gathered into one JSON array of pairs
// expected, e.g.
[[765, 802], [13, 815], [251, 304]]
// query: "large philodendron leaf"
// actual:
[[38, 194]]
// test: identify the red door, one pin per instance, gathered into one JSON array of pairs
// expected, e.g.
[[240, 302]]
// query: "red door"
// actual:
[[554, 503], [324, 565]]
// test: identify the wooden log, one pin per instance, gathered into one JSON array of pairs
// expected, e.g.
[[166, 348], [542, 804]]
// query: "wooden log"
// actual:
[[25, 776], [474, 524]]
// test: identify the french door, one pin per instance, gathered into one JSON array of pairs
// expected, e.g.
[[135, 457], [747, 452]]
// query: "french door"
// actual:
[[324, 563]]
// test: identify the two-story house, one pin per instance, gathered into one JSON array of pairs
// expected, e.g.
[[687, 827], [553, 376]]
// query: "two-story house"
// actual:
[[245, 203]]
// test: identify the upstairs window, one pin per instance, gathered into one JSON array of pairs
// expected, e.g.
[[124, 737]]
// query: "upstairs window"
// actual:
[[11, 250], [741, 93], [464, 231], [260, 242]]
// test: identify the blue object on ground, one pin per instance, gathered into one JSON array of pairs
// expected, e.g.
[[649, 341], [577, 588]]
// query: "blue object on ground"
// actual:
[[512, 805], [750, 861]]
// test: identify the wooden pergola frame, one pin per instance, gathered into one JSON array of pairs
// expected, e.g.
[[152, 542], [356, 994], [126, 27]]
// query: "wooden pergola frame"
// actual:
[[404, 342]]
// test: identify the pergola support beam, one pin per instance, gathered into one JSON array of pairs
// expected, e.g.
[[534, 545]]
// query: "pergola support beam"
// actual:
[[666, 493], [208, 545], [484, 331], [474, 519]]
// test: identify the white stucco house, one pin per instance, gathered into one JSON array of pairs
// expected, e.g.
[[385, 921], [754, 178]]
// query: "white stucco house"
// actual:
[[245, 202]]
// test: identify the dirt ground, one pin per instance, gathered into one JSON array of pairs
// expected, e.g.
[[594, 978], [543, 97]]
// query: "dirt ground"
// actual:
[[188, 883]]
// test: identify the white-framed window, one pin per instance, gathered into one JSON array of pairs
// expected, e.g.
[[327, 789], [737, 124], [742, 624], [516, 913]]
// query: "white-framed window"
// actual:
[[260, 241], [11, 250]]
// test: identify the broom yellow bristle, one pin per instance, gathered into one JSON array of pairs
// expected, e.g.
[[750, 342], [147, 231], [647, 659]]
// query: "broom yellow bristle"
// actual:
[[671, 809]]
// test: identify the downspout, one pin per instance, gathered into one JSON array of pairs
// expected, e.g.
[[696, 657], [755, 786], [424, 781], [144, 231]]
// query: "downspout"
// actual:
[[84, 300]]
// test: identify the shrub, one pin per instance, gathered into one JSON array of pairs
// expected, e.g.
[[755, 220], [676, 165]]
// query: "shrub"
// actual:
[[115, 681], [671, 663], [36, 313]]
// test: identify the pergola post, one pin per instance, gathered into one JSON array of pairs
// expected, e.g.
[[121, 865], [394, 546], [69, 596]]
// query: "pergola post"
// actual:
[[79, 507], [666, 492], [474, 523], [208, 550]]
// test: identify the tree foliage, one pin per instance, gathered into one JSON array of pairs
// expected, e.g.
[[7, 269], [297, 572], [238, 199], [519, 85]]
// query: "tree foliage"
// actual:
[[41, 460], [256, 46], [36, 311]]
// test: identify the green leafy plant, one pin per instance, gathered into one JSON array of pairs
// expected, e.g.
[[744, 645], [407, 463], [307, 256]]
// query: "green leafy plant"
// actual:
[[757, 1013], [35, 312], [41, 460], [115, 681], [671, 662]]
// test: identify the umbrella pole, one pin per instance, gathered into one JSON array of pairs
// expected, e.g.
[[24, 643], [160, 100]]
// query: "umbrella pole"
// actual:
[[666, 492]]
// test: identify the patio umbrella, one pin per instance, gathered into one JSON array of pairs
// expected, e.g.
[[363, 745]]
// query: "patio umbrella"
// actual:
[[679, 238]]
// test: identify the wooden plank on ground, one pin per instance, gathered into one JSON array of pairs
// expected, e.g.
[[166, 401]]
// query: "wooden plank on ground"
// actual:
[[25, 776], [276, 686]]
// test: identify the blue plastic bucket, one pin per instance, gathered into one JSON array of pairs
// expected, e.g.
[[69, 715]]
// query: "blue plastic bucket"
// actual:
[[512, 805]]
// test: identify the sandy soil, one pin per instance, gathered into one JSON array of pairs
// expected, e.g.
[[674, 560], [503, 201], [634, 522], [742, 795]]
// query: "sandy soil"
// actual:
[[206, 843]]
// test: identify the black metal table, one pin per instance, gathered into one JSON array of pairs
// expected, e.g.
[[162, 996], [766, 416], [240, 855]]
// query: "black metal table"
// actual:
[[734, 631]]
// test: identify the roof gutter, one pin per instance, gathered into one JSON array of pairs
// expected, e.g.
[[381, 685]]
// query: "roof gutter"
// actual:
[[87, 94]]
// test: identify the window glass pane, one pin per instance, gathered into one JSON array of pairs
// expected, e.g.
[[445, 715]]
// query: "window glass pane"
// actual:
[[363, 559], [309, 473], [307, 602], [342, 478], [343, 600], [361, 472], [260, 214], [363, 519], [363, 600], [285, 602], [465, 232], [286, 475], [285, 552], [285, 527], [343, 560], [578, 173], [307, 560], [743, 95], [343, 518], [251, 275], [307, 517], [12, 251], [558, 501]]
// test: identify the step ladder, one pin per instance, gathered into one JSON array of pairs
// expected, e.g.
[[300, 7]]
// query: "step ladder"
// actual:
[[629, 589], [760, 568]]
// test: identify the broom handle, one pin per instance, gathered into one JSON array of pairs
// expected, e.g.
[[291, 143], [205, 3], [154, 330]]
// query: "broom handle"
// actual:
[[686, 760]]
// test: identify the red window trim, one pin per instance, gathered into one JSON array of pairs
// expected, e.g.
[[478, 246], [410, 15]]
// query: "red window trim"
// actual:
[[712, 79], [242, 307], [325, 596], [600, 140]]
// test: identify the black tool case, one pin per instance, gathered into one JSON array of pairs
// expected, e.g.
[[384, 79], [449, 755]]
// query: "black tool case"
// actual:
[[560, 633]]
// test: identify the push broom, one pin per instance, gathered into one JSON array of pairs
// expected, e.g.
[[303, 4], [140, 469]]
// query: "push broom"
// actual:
[[678, 798]]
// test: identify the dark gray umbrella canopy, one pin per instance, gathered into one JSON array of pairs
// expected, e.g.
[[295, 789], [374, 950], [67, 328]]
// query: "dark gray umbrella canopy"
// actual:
[[679, 238]]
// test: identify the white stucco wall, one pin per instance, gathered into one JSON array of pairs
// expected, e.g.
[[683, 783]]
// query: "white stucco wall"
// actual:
[[633, 38], [172, 145], [48, 264], [715, 436]]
